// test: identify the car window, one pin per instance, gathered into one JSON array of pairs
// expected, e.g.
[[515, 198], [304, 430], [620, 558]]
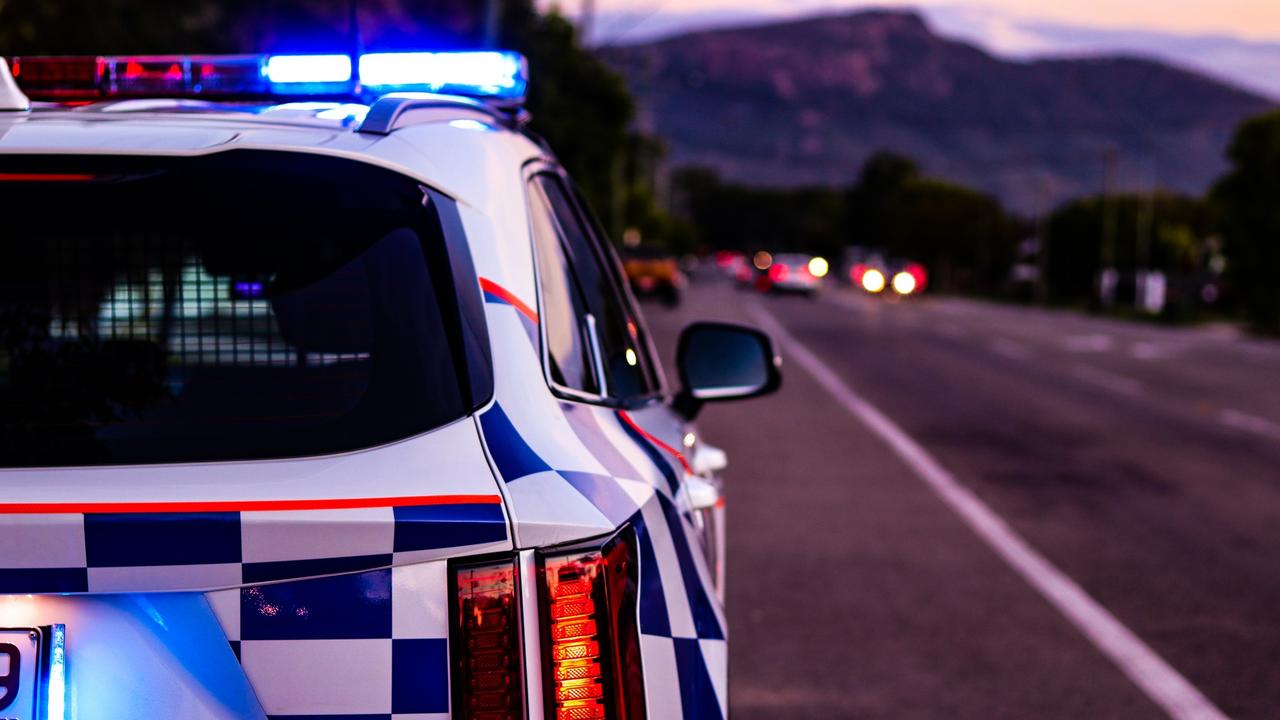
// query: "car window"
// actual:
[[648, 358], [619, 334], [563, 308], [244, 305]]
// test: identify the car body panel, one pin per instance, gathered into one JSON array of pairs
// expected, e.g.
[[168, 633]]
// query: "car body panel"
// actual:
[[207, 526]]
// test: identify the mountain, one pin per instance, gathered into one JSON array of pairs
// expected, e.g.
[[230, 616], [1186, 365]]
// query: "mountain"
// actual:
[[1006, 32], [806, 102]]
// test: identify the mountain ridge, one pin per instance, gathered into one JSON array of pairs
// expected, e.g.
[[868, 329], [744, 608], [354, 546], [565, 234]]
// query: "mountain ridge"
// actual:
[[805, 101]]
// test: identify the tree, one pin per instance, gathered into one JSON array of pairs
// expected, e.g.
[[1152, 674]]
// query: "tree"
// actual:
[[1175, 226], [733, 216], [964, 237], [1250, 215], [882, 177], [581, 107]]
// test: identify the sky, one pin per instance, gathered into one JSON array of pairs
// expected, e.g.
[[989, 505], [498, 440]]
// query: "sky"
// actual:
[[1244, 19], [1234, 40]]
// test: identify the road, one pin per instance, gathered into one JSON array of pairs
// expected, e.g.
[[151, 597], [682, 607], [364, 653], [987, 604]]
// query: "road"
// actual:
[[1141, 463]]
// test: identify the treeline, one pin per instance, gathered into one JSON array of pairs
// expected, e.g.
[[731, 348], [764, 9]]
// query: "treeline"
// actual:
[[964, 237], [1219, 253]]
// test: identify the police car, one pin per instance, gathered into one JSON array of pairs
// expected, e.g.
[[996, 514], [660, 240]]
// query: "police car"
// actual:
[[322, 396]]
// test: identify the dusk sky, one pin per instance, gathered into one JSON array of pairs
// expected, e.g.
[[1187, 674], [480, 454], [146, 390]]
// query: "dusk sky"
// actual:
[[1251, 19], [1233, 40]]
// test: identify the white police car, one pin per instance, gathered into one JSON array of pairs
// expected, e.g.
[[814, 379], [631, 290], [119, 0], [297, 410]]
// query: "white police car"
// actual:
[[334, 410]]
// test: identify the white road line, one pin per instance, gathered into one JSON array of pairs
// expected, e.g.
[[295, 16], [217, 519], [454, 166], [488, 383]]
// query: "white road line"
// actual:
[[1143, 350], [1108, 380], [1093, 343], [1011, 349], [1250, 423], [1155, 677]]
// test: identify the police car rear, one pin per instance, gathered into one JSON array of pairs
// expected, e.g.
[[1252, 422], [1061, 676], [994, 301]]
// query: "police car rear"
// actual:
[[243, 345]]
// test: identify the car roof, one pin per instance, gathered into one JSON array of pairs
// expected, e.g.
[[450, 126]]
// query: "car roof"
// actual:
[[449, 145]]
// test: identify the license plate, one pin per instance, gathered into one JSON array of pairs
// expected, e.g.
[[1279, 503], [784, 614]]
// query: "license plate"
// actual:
[[19, 673]]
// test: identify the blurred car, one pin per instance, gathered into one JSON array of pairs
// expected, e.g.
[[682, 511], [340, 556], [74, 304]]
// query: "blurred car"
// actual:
[[655, 273], [337, 409], [794, 273], [744, 272], [877, 276], [728, 260]]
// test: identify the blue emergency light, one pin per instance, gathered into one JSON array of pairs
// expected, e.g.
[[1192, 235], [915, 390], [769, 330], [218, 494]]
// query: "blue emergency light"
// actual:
[[500, 75], [497, 76]]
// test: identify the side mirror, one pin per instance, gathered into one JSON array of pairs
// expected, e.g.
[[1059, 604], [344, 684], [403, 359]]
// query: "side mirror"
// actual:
[[721, 361]]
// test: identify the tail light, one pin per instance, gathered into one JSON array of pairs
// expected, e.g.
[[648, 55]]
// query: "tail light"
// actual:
[[486, 632], [591, 638], [590, 635], [779, 272]]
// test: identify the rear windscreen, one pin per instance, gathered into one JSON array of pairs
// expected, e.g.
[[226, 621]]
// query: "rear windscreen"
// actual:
[[244, 305]]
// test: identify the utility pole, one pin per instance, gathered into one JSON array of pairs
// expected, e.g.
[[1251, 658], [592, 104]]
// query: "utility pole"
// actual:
[[586, 20], [1142, 253], [1042, 244], [353, 27], [1108, 278]]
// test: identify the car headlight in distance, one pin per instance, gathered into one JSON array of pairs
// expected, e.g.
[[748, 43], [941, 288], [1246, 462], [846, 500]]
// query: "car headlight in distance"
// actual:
[[819, 267], [904, 283], [873, 281]]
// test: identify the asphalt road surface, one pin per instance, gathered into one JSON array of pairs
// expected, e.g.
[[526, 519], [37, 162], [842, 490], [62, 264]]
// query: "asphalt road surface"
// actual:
[[1140, 464]]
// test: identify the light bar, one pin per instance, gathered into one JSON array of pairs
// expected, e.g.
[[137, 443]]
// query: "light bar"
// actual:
[[488, 75], [498, 75], [309, 74]]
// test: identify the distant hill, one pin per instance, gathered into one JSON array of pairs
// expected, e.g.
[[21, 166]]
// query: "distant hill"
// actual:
[[806, 102]]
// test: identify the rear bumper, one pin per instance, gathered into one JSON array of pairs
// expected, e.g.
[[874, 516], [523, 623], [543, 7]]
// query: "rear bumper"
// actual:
[[141, 656]]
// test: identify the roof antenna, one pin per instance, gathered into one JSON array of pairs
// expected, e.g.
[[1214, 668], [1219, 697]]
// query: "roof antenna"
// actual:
[[353, 27], [12, 98], [492, 22]]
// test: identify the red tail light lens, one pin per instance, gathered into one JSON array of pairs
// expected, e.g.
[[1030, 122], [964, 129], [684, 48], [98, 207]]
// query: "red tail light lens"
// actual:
[[588, 601], [486, 642], [779, 272]]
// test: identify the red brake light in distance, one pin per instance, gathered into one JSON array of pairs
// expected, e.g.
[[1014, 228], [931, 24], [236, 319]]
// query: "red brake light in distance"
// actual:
[[486, 643], [588, 603], [779, 272], [917, 271]]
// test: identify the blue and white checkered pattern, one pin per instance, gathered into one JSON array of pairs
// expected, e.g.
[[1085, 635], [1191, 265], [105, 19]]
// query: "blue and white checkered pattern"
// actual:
[[682, 628], [122, 552], [355, 646]]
